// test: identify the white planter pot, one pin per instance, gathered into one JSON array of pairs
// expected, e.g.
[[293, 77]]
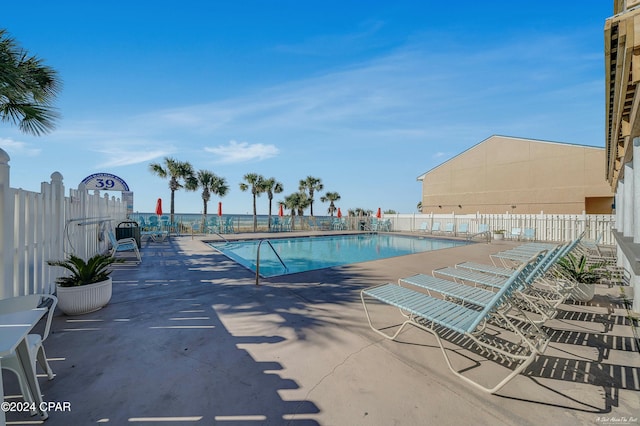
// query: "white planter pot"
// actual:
[[498, 236], [583, 292], [83, 299]]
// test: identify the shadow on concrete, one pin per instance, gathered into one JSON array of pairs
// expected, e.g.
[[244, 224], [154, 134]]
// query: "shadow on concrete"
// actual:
[[160, 353]]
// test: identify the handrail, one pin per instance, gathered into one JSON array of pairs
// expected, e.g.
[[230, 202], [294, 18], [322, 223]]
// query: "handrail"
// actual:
[[219, 235], [486, 233], [258, 259]]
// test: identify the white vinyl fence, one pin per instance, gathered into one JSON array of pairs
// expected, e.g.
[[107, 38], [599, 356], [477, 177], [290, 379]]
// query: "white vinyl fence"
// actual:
[[39, 226], [547, 227]]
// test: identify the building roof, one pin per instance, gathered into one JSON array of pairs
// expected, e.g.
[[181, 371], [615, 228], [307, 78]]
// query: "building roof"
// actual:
[[515, 138]]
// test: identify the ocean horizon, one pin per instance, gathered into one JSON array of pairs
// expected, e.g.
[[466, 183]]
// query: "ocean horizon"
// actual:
[[241, 222]]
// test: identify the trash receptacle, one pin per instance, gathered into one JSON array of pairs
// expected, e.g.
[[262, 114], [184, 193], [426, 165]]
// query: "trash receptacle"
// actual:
[[128, 229]]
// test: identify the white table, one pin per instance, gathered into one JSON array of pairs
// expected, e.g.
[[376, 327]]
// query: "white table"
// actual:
[[14, 328]]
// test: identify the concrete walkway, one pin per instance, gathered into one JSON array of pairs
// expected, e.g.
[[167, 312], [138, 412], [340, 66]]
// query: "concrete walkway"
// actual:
[[189, 339]]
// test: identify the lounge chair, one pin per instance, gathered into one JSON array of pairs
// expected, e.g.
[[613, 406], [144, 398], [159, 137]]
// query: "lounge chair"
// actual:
[[462, 324], [541, 295], [497, 278], [516, 234], [435, 227], [339, 224], [529, 234], [123, 245], [275, 224], [213, 225], [424, 227], [152, 223], [449, 228], [519, 254], [196, 228], [228, 226], [463, 229]]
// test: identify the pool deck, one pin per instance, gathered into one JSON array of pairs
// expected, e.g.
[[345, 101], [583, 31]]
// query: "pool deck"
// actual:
[[189, 339]]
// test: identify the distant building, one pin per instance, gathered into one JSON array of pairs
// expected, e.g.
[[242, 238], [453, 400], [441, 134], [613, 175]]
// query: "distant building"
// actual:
[[622, 111], [507, 174]]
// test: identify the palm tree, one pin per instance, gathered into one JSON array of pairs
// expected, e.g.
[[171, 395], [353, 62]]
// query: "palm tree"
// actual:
[[297, 201], [359, 211], [210, 183], [271, 186], [253, 181], [419, 206], [27, 89], [332, 197], [176, 171], [311, 184]]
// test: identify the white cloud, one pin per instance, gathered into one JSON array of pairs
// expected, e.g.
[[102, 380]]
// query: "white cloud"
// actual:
[[18, 148], [125, 154], [241, 152]]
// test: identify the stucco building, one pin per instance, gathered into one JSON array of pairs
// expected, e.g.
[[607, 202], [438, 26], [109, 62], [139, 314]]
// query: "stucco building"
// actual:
[[508, 174], [622, 106]]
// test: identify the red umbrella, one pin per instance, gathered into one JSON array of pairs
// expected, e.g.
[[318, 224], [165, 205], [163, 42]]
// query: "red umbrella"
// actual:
[[379, 214], [281, 211], [159, 207], [339, 213], [220, 208]]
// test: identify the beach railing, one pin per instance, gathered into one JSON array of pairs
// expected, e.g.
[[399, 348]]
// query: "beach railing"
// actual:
[[548, 227]]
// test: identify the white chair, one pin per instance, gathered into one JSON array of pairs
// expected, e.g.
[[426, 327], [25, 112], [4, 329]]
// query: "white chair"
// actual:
[[124, 244], [34, 341], [435, 227], [463, 229], [516, 233]]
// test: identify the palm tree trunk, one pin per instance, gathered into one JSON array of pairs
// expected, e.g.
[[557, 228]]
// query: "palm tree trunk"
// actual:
[[173, 196], [255, 215]]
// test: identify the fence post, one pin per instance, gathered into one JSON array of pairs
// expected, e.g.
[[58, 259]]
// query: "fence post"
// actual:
[[6, 227], [55, 226]]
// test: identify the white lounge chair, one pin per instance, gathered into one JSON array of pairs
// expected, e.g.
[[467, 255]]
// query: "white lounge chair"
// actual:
[[462, 324], [516, 233], [529, 234], [463, 229], [449, 228]]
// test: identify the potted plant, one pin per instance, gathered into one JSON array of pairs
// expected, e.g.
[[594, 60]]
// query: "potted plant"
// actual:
[[583, 273], [88, 286], [498, 234]]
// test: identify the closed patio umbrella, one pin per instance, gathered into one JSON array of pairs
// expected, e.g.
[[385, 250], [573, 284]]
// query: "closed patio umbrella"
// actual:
[[159, 207], [339, 213], [379, 214], [220, 208], [281, 211]]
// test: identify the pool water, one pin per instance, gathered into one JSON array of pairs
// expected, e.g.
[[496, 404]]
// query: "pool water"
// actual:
[[303, 254]]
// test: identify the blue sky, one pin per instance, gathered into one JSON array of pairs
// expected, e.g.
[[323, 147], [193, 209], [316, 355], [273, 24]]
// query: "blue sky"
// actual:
[[366, 96]]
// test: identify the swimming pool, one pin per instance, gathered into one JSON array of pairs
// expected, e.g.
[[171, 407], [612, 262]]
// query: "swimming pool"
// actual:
[[302, 254]]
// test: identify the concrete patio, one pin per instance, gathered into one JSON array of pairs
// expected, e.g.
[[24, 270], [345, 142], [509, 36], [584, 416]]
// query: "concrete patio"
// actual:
[[189, 339]]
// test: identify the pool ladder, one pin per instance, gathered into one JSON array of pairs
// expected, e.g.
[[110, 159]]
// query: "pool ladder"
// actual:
[[258, 259]]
